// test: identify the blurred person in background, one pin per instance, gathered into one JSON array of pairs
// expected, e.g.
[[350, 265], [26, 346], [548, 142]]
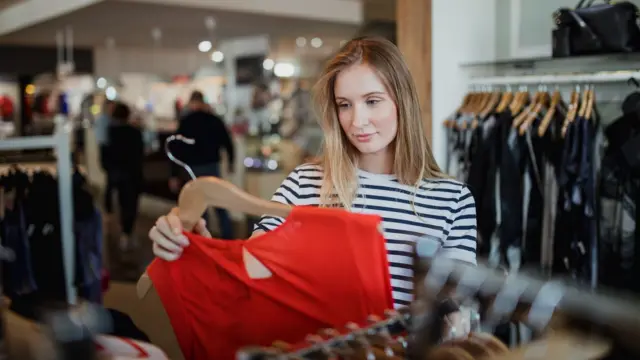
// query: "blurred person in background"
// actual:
[[260, 111], [102, 123], [211, 135], [123, 164], [101, 126]]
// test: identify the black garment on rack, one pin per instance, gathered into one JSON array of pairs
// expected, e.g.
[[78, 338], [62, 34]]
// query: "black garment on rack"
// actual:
[[576, 231], [535, 206], [39, 202], [513, 157], [619, 190], [482, 177]]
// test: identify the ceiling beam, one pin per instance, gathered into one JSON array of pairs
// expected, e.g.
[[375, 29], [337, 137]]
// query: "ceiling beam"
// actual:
[[31, 12], [337, 11]]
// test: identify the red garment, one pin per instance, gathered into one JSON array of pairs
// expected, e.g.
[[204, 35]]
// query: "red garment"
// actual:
[[6, 108], [329, 267]]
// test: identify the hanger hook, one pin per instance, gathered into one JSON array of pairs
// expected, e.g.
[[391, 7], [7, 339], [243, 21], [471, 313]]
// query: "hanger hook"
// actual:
[[185, 140]]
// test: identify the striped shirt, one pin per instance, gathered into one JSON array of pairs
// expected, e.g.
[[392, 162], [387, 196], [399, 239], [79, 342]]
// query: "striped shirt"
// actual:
[[445, 212]]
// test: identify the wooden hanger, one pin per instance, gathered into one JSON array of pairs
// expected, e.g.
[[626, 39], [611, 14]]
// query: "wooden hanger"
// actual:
[[584, 103], [520, 101], [490, 341], [543, 101], [546, 121], [204, 192], [506, 99], [561, 344], [573, 110], [590, 103], [465, 101], [491, 104], [448, 353], [474, 348], [527, 111]]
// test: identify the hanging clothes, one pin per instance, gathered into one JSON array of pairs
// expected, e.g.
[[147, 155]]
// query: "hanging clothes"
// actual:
[[30, 229], [619, 190], [534, 186]]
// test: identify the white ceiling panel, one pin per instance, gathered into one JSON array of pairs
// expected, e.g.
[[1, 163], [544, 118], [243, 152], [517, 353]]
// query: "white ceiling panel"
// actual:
[[130, 24]]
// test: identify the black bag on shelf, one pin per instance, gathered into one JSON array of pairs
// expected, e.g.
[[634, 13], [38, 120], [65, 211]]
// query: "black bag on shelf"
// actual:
[[596, 29]]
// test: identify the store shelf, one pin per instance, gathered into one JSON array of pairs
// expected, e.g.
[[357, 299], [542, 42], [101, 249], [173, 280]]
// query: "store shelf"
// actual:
[[546, 65]]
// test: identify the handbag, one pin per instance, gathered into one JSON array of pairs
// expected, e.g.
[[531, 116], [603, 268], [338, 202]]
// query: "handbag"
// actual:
[[596, 29]]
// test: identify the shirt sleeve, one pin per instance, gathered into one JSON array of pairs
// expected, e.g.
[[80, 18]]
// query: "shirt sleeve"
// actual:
[[460, 243], [287, 193]]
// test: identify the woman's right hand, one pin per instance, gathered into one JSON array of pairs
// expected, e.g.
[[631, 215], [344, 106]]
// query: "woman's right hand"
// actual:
[[167, 237]]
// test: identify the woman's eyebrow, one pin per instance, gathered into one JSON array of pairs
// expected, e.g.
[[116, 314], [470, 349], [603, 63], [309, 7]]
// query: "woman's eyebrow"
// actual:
[[363, 95]]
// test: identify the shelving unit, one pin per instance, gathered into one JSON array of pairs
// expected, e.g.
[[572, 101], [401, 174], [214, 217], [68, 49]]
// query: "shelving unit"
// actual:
[[579, 78]]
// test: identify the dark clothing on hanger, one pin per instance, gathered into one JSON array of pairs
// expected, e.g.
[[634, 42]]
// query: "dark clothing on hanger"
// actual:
[[619, 190], [210, 135], [576, 245], [512, 166], [35, 237], [482, 177]]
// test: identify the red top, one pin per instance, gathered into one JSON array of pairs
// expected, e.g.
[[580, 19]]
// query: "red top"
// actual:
[[329, 267]]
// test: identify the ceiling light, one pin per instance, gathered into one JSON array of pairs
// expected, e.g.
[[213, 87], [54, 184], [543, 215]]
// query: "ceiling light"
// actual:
[[205, 46], [301, 42], [316, 42], [267, 64], [111, 93], [217, 56], [284, 69], [101, 83]]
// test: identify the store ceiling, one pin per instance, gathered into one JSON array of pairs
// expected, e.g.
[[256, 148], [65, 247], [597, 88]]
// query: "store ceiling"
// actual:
[[130, 25]]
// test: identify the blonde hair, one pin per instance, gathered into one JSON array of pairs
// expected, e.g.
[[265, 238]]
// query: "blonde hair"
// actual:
[[413, 159]]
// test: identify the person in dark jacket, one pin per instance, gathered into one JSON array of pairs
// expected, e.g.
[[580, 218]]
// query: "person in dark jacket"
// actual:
[[211, 136], [123, 162]]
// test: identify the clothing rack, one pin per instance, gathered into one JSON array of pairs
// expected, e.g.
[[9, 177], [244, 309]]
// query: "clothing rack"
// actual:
[[395, 324], [543, 300], [60, 143], [577, 78]]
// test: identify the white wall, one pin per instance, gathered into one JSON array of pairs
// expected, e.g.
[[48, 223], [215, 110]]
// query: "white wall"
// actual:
[[240, 95], [161, 61], [458, 37]]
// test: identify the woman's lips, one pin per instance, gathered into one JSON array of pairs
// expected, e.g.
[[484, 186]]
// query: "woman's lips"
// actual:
[[364, 137]]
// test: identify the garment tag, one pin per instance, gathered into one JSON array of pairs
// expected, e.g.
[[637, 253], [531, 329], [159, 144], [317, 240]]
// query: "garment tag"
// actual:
[[255, 269]]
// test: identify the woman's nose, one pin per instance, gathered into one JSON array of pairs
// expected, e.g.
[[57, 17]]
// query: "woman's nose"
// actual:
[[360, 117]]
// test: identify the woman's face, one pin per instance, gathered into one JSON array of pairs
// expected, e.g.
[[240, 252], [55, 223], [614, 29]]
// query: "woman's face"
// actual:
[[366, 110]]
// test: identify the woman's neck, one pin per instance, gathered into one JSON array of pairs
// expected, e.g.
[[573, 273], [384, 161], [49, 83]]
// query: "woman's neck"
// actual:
[[378, 163]]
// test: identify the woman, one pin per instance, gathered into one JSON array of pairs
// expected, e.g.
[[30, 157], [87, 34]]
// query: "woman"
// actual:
[[376, 160], [123, 160]]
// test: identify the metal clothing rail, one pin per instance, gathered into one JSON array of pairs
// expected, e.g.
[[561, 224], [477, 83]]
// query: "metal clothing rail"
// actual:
[[59, 141], [584, 78]]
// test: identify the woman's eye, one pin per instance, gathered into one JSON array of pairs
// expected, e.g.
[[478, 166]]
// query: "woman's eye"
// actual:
[[372, 101], [343, 106]]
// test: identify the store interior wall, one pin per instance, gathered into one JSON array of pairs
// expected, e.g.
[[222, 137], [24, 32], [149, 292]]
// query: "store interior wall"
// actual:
[[470, 38]]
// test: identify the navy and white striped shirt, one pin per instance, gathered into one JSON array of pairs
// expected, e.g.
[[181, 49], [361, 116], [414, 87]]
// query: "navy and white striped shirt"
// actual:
[[445, 210]]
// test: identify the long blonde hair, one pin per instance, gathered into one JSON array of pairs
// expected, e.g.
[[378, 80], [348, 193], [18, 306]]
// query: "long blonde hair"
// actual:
[[413, 159]]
